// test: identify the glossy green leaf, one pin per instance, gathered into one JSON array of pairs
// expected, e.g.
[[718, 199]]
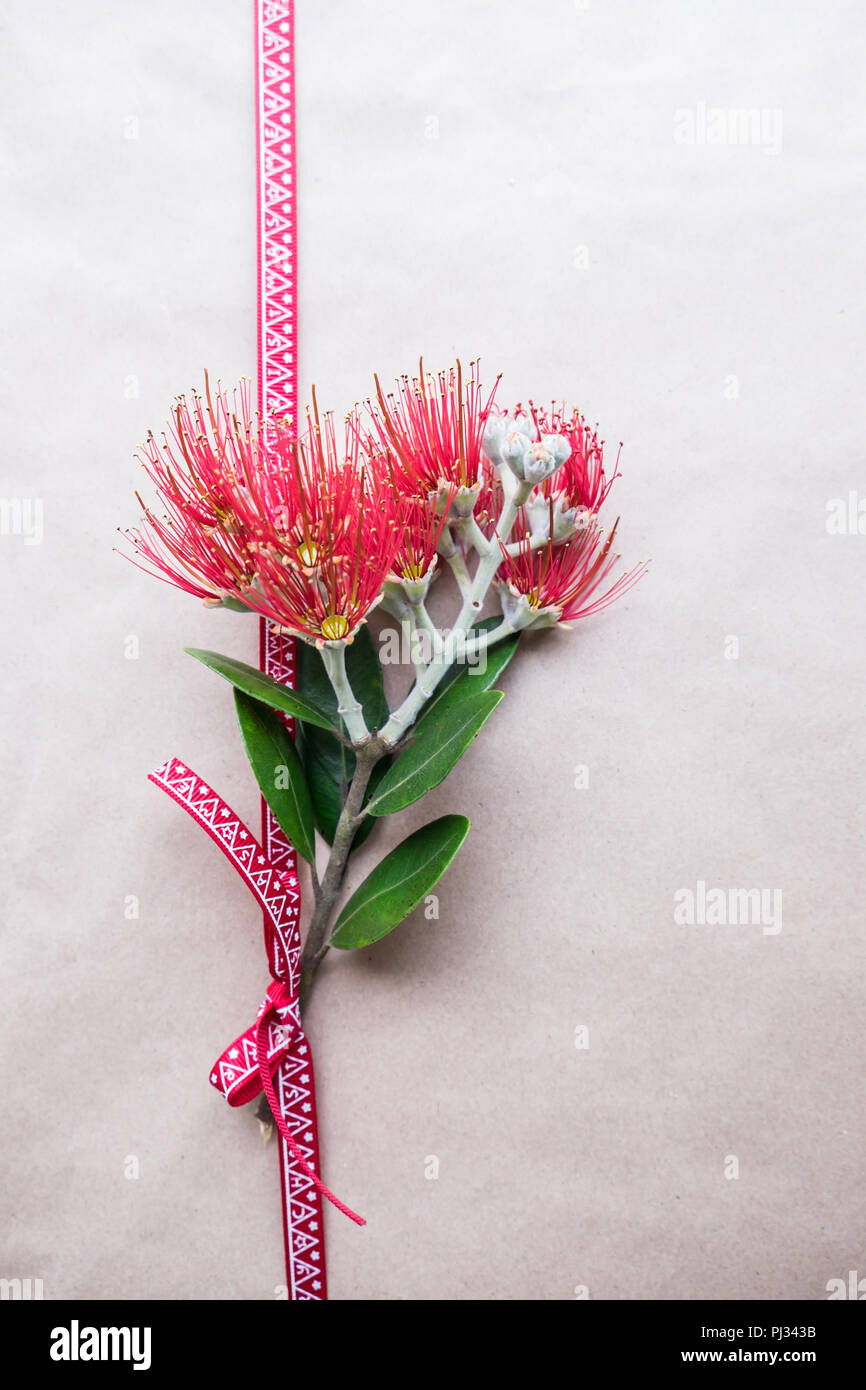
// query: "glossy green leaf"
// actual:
[[399, 883], [440, 741], [254, 682], [320, 755], [278, 771], [366, 679], [462, 679]]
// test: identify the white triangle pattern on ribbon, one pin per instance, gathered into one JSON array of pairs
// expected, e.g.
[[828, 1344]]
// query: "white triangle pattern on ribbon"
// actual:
[[277, 248], [277, 889], [278, 393], [278, 892]]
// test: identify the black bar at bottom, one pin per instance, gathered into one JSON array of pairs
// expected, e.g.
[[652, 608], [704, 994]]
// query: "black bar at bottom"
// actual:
[[57, 1339]]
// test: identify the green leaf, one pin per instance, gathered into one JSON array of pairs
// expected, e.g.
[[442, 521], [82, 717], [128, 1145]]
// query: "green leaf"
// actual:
[[273, 759], [398, 884], [311, 680], [365, 677], [329, 765], [461, 679], [321, 756], [441, 741], [254, 682]]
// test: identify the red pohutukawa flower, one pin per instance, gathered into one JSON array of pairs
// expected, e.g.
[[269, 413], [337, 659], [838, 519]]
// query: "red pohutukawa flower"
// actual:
[[433, 426], [326, 536], [201, 469], [308, 531], [421, 529], [300, 531], [559, 582]]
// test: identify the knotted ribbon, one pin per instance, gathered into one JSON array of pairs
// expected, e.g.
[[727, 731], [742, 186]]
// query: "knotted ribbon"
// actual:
[[273, 1054], [277, 271]]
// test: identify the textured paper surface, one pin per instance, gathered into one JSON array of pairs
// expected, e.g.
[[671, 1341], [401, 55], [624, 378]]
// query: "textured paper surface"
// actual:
[[485, 179]]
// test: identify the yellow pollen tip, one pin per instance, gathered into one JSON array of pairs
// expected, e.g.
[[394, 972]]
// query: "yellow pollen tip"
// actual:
[[335, 626]]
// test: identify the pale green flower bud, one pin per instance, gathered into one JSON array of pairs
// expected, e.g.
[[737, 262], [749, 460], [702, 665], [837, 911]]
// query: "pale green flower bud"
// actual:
[[521, 614], [567, 521], [558, 446], [495, 431], [515, 447]]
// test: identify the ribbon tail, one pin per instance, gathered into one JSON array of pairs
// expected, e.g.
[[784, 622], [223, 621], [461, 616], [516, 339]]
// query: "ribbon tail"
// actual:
[[288, 1137]]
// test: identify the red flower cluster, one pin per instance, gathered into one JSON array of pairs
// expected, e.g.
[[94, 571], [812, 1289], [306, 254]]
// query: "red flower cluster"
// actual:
[[306, 530], [300, 530], [210, 456], [433, 427], [559, 582], [421, 529], [555, 557]]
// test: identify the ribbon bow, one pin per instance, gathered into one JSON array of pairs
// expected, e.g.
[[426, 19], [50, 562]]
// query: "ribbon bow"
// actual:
[[238, 1071], [248, 1065]]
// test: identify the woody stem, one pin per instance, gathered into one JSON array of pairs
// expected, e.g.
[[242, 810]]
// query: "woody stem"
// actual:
[[317, 944]]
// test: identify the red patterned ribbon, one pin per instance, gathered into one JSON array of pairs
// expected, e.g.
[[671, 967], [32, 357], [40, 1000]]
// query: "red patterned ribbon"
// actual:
[[276, 252], [272, 1054], [276, 221]]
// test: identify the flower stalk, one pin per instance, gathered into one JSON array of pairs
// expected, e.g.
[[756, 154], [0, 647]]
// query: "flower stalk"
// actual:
[[348, 705]]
